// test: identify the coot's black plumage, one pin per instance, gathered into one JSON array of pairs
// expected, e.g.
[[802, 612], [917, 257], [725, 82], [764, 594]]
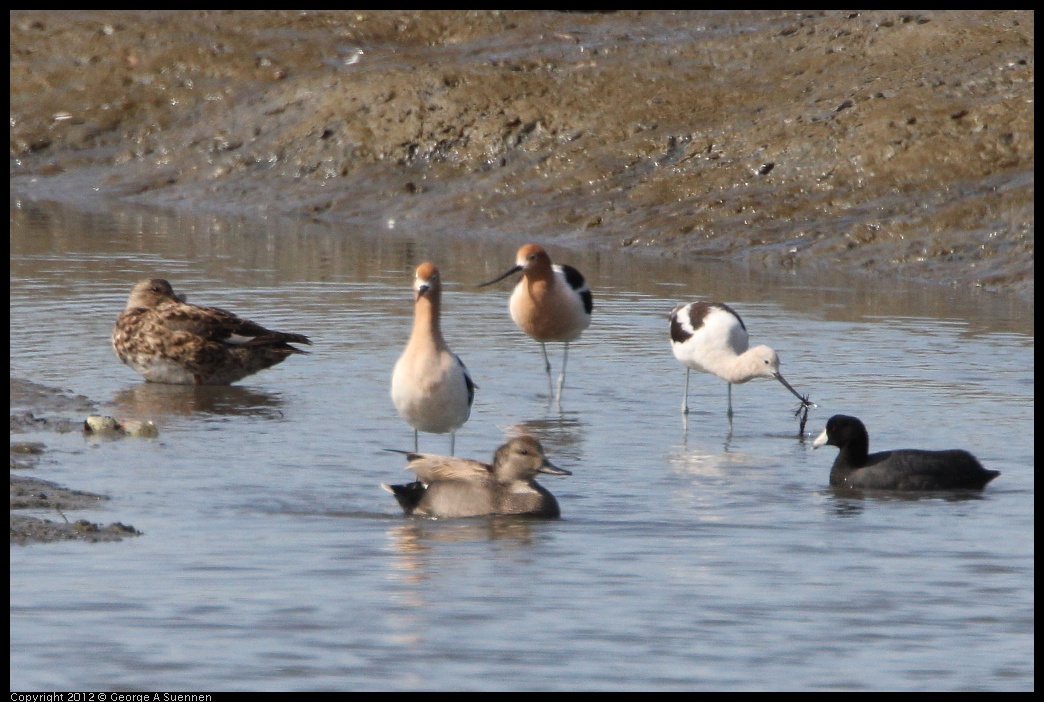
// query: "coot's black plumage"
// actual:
[[903, 469]]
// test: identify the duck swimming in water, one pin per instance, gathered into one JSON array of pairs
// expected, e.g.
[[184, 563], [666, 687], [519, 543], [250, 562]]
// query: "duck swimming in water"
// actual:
[[448, 487]]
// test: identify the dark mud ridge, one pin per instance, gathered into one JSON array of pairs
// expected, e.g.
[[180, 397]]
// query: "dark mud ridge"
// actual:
[[33, 493], [30, 493]]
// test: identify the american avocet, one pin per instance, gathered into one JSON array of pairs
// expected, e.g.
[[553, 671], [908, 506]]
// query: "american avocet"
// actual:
[[458, 487], [430, 386], [550, 303], [711, 337], [905, 469], [167, 340]]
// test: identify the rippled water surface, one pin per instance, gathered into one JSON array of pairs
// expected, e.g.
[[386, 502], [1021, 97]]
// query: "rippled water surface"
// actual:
[[705, 556]]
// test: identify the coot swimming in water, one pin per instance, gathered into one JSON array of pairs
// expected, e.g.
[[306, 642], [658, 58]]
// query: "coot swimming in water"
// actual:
[[904, 469]]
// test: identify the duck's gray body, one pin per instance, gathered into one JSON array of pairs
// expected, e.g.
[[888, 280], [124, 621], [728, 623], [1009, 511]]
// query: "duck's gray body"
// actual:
[[448, 487]]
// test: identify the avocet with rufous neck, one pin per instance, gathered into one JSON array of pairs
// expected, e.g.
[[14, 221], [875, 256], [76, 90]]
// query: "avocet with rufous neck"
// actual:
[[550, 303]]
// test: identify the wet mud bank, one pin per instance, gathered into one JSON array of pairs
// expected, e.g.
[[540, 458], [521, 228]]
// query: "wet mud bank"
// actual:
[[32, 493], [38, 408], [886, 144]]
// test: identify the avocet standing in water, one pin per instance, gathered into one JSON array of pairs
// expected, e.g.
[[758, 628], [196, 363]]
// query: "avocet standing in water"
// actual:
[[550, 303]]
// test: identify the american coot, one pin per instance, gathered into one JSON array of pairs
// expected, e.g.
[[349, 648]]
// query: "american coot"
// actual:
[[458, 487], [430, 386], [167, 340], [550, 303], [905, 469], [711, 337]]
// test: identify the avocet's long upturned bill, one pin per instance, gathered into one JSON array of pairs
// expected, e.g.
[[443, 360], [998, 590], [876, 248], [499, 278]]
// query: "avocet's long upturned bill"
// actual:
[[550, 303], [168, 340], [431, 388], [711, 337]]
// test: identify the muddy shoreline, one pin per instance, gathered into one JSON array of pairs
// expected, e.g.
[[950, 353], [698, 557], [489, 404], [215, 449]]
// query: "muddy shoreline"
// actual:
[[891, 144], [52, 411], [36, 494]]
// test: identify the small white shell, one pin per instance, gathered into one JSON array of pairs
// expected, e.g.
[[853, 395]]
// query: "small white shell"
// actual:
[[100, 424], [133, 427]]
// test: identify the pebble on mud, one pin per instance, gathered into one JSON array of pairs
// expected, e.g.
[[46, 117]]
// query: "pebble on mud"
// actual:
[[110, 426]]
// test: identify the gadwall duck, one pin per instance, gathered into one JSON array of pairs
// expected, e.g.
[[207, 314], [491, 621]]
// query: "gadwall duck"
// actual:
[[905, 469], [167, 340], [448, 487]]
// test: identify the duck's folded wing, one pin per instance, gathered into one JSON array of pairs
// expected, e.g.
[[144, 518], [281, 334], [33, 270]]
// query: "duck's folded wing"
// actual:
[[429, 468], [214, 324]]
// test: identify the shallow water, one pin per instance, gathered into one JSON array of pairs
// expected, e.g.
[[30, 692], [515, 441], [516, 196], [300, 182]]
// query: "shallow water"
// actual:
[[705, 556]]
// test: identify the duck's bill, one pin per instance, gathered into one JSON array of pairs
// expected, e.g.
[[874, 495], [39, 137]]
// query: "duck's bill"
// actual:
[[804, 400], [514, 270], [551, 469]]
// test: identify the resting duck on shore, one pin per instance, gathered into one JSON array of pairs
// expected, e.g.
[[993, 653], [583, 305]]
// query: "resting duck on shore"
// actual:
[[167, 340]]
